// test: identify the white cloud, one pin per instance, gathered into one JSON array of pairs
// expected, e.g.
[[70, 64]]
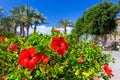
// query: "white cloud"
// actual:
[[45, 30], [69, 29]]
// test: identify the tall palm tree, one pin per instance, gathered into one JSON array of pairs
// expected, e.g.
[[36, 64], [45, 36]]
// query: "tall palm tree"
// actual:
[[38, 19], [15, 23], [26, 16], [6, 23], [17, 16], [64, 23]]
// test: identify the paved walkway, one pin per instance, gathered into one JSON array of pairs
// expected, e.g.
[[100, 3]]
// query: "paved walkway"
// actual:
[[115, 66]]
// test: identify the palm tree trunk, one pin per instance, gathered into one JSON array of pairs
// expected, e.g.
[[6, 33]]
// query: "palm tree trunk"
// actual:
[[15, 29], [35, 28], [27, 27], [65, 30], [27, 31], [21, 29]]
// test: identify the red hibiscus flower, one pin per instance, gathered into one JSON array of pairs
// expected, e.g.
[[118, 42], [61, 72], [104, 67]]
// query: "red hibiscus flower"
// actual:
[[29, 58], [58, 44], [108, 70], [45, 59], [2, 39], [32, 51], [80, 60], [12, 47], [25, 57], [56, 30]]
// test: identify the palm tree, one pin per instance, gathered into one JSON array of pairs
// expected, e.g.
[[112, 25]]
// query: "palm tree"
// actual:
[[38, 19], [64, 23], [6, 23], [26, 16], [17, 16], [15, 24]]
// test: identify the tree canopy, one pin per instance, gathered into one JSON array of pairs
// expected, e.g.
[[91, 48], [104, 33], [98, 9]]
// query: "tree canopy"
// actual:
[[99, 19], [79, 27]]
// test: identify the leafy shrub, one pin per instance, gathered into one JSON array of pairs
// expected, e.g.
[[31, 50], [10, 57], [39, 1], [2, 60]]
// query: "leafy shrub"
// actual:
[[55, 57], [7, 34]]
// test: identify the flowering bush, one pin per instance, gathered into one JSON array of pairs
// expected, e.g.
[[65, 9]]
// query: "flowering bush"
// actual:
[[7, 34], [52, 57]]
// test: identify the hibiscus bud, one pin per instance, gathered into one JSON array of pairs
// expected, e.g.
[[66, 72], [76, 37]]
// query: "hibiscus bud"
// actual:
[[12, 47], [56, 30], [2, 39], [80, 60]]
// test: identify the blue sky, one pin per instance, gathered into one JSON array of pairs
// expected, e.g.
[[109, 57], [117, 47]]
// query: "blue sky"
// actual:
[[54, 10]]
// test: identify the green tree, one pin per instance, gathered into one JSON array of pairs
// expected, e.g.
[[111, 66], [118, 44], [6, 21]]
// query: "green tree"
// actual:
[[17, 14], [99, 19], [79, 27], [64, 23]]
